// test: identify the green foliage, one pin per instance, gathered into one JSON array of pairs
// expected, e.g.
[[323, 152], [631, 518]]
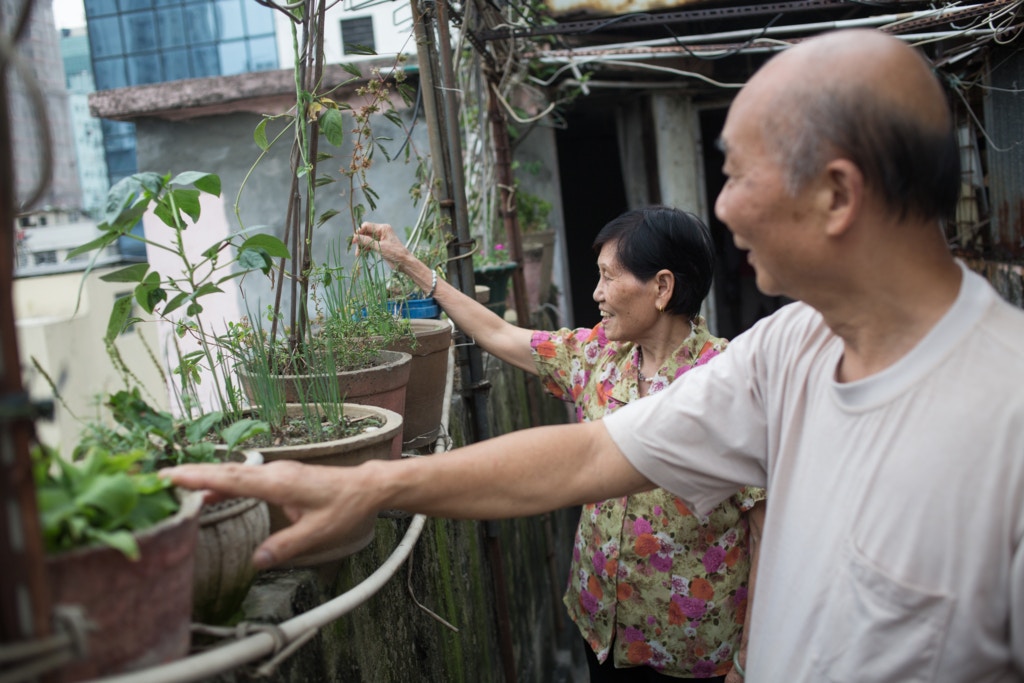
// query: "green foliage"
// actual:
[[102, 499], [163, 440], [356, 314], [180, 291], [173, 202], [532, 211]]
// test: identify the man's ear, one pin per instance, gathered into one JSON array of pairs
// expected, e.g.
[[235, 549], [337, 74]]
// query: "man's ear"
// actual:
[[843, 196]]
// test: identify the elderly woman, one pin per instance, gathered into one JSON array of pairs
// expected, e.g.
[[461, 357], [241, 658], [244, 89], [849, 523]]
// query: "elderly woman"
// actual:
[[657, 593]]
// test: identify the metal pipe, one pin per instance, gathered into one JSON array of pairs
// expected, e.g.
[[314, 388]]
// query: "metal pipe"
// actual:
[[231, 656], [450, 128], [452, 202], [749, 34]]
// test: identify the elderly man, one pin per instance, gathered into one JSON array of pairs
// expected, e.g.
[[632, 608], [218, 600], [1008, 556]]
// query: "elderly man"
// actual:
[[883, 411]]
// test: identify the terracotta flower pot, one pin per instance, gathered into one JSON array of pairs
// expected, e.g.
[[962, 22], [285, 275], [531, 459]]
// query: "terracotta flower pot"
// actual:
[[347, 452], [383, 385], [424, 397], [229, 533], [139, 611], [538, 263]]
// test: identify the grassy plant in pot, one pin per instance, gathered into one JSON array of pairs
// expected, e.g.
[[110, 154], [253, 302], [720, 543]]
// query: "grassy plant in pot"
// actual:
[[299, 328], [350, 434], [359, 328], [430, 338]]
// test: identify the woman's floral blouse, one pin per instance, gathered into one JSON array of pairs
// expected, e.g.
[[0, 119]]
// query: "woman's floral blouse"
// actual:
[[669, 586]]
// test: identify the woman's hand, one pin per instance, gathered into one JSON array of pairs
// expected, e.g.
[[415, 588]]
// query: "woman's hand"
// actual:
[[381, 237]]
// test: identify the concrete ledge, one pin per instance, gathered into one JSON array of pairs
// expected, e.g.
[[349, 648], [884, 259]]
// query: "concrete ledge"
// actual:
[[262, 92]]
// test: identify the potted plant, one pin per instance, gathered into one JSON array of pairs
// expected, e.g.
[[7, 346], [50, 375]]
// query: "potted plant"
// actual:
[[430, 338], [538, 245], [229, 530], [493, 268], [218, 355], [120, 550], [315, 126]]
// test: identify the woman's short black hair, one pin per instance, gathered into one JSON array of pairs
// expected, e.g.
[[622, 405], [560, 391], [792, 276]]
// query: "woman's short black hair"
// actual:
[[662, 238]]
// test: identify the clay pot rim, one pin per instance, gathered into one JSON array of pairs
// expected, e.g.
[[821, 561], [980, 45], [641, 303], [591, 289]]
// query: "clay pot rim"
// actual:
[[190, 504]]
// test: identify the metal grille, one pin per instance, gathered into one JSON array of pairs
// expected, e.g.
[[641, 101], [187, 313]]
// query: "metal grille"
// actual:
[[357, 32]]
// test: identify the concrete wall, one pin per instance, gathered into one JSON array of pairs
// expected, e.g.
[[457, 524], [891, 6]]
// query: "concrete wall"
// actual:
[[224, 145], [68, 345]]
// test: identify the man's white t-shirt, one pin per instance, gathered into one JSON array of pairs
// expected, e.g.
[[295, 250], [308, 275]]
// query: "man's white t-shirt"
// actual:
[[892, 549]]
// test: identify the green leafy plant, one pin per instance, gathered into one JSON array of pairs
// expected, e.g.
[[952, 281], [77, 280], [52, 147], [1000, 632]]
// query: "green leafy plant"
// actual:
[[175, 200], [167, 440], [532, 210], [358, 317], [104, 498]]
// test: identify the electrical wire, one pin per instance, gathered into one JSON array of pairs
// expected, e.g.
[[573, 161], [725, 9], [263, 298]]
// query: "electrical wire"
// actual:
[[729, 53]]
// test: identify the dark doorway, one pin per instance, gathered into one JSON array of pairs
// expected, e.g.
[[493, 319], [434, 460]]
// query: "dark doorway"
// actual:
[[592, 194], [738, 303]]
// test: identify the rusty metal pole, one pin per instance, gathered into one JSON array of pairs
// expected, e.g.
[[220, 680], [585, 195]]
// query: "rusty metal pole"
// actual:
[[508, 213], [450, 109], [442, 123], [24, 596]]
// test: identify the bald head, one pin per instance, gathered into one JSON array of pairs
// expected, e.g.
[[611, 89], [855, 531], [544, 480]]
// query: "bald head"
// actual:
[[867, 97]]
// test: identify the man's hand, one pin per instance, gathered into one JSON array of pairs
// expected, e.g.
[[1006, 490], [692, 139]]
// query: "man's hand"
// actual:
[[325, 504]]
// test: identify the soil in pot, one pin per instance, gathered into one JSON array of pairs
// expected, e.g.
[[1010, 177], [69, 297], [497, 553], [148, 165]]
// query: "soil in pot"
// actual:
[[384, 385], [374, 443]]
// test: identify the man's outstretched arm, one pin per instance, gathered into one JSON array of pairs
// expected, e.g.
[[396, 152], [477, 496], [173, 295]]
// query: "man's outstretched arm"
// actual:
[[522, 473]]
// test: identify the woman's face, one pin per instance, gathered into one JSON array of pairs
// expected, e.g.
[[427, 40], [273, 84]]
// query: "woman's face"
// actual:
[[628, 307]]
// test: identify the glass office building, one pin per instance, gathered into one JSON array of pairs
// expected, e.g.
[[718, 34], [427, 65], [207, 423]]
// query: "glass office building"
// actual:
[[136, 42]]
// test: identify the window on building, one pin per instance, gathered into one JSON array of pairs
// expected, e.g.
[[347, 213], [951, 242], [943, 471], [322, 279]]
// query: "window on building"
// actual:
[[229, 20], [95, 8], [110, 73], [262, 54], [105, 37], [175, 64], [144, 68], [357, 35], [170, 27], [233, 57], [43, 258]]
